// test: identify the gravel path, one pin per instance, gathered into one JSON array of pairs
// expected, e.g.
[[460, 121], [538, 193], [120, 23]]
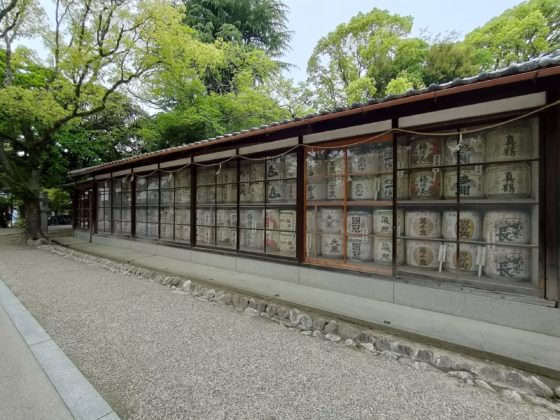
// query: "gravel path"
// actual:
[[155, 354]]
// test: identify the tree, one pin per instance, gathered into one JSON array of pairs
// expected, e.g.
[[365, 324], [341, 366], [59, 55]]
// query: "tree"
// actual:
[[447, 60], [358, 59], [518, 34], [96, 49], [260, 24]]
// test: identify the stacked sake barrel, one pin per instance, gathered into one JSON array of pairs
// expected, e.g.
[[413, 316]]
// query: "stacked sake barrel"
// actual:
[[251, 223], [252, 185], [423, 225], [468, 226], [280, 230], [425, 181], [281, 176]]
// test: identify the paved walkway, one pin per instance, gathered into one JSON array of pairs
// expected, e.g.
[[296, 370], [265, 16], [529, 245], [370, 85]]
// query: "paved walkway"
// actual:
[[156, 354], [37, 381]]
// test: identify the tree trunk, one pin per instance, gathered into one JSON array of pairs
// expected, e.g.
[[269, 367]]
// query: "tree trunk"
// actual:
[[8, 74], [32, 208]]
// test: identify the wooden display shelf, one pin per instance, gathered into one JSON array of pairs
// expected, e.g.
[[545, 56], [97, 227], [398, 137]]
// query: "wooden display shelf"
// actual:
[[372, 267], [355, 203]]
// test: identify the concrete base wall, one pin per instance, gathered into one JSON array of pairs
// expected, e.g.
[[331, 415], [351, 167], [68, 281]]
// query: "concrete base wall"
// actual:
[[529, 314]]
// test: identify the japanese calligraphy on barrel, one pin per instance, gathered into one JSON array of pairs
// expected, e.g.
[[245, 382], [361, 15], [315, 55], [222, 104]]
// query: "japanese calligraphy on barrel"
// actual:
[[508, 181]]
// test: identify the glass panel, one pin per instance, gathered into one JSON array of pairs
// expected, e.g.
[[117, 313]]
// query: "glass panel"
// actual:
[[147, 205]]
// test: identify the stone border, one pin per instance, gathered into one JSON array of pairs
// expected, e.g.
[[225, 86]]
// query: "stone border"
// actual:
[[512, 384]]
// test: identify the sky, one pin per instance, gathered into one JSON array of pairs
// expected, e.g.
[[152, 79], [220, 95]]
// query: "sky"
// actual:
[[312, 19]]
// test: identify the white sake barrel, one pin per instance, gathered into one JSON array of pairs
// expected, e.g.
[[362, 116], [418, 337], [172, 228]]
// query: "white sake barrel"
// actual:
[[316, 190], [182, 216], [358, 250], [287, 242], [257, 171], [202, 195], [245, 172], [511, 142], [470, 225], [252, 239], [204, 217], [272, 219], [227, 176], [386, 187], [287, 220], [383, 222], [290, 190], [363, 187], [275, 168], [256, 192], [251, 219], [422, 254], [226, 237], [316, 164], [310, 221], [425, 185], [403, 156], [335, 188], [425, 152], [462, 260], [402, 185], [508, 263], [471, 149], [335, 162], [330, 219], [275, 191], [383, 250], [244, 190], [204, 235], [290, 165], [166, 231], [182, 233], [206, 177], [228, 193], [471, 183], [423, 224], [311, 240], [331, 245], [222, 217], [358, 223], [386, 158], [272, 239], [363, 162], [508, 181], [511, 226]]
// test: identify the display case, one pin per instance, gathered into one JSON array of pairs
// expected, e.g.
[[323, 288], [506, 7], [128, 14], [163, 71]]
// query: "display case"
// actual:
[[121, 205], [472, 209], [175, 213], [103, 207], [349, 198], [82, 218], [147, 206]]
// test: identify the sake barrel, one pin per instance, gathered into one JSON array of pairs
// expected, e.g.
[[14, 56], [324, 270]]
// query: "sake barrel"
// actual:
[[229, 193], [462, 260], [507, 181], [272, 219], [222, 217], [226, 237], [358, 223], [335, 188], [252, 238], [290, 190], [470, 225], [275, 168], [272, 239], [310, 221], [227, 176], [363, 187], [383, 222], [331, 245], [425, 152], [182, 233], [425, 185], [402, 185], [257, 171], [317, 190], [290, 165], [205, 177], [470, 185], [335, 162], [471, 150], [245, 172], [330, 220], [511, 226], [166, 231], [316, 164], [423, 224], [251, 218], [244, 192], [256, 192], [287, 242], [363, 163], [383, 250], [204, 235], [510, 142], [358, 250], [386, 158], [275, 191], [403, 156], [422, 254], [202, 195], [287, 220], [204, 217], [385, 187], [182, 216], [508, 263], [311, 240]]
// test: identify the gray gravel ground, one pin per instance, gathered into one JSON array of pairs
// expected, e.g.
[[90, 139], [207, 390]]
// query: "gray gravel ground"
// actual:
[[155, 354]]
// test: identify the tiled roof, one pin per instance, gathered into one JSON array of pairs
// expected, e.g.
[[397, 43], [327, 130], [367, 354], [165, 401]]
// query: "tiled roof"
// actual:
[[549, 60]]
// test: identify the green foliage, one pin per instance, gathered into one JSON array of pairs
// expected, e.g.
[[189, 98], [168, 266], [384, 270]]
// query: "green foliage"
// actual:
[[398, 85], [59, 200], [519, 34], [447, 60], [260, 24]]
